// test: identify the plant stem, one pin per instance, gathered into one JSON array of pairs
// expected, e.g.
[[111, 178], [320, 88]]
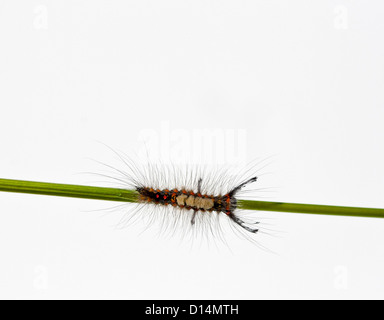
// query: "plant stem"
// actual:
[[124, 195], [68, 190], [311, 209]]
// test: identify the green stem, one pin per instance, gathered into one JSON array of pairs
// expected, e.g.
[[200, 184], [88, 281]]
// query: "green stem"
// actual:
[[311, 209], [124, 195], [68, 190]]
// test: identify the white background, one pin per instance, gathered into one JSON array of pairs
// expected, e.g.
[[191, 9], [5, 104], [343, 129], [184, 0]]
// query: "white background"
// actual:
[[304, 81]]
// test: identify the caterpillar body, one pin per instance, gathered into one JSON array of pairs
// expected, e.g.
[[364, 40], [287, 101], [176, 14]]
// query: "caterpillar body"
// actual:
[[189, 200], [201, 200]]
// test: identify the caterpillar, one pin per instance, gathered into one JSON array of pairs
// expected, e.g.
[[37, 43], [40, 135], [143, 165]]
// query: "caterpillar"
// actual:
[[189, 200], [196, 197]]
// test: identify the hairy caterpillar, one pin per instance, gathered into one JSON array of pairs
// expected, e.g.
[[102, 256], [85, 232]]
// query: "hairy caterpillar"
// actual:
[[189, 197], [196, 201]]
